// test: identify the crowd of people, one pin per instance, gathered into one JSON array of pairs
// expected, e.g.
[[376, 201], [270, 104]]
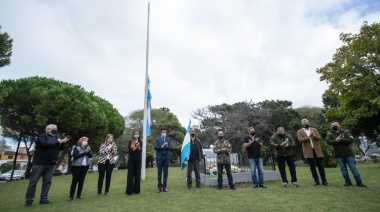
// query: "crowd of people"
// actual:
[[48, 146]]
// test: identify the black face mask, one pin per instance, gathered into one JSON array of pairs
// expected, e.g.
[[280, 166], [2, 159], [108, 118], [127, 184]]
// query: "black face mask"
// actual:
[[53, 132], [306, 126], [252, 133], [335, 128], [192, 134], [220, 137], [281, 136]]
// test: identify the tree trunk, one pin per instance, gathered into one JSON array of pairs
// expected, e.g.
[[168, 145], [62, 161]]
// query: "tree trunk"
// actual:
[[15, 160], [62, 156], [29, 164]]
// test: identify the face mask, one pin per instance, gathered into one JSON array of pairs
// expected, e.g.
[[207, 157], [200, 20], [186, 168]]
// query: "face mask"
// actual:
[[306, 126], [281, 135], [53, 132], [136, 136], [252, 133], [335, 128], [192, 134], [109, 140], [84, 143], [220, 137], [163, 134]]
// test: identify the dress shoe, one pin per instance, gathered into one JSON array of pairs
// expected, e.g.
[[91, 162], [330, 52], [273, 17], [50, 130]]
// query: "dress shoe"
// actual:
[[79, 197], [28, 204], [45, 202], [360, 185], [255, 186], [99, 194], [159, 190], [189, 187], [232, 188], [107, 194], [198, 186], [295, 184], [316, 183], [325, 183], [165, 190], [219, 188], [262, 186], [70, 198], [348, 184]]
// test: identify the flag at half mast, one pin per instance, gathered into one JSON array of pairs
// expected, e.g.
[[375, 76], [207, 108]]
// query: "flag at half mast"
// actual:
[[185, 151], [147, 108]]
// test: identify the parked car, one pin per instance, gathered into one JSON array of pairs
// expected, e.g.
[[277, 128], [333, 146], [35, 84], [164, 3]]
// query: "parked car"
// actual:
[[17, 175], [57, 172]]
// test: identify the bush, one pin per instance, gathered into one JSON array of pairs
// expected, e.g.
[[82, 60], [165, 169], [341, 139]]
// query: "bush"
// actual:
[[123, 166], [6, 167]]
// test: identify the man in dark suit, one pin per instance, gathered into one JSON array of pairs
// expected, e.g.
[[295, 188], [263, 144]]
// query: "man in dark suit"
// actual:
[[162, 145]]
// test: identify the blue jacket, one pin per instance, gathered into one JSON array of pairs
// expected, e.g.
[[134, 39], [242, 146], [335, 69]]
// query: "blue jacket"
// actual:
[[79, 155], [162, 153]]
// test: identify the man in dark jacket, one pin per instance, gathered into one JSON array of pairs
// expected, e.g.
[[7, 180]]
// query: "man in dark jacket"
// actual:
[[44, 160], [253, 145], [196, 156], [341, 140], [283, 144]]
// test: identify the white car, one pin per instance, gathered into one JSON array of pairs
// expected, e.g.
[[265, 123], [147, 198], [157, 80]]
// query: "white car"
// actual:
[[17, 175]]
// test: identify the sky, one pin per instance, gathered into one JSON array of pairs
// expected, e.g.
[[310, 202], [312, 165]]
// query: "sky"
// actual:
[[200, 52]]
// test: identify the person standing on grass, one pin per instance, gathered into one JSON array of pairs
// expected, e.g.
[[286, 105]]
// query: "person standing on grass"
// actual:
[[47, 149], [79, 167], [107, 152], [134, 164], [196, 156], [222, 148], [163, 146], [309, 137], [341, 140], [253, 145], [283, 144]]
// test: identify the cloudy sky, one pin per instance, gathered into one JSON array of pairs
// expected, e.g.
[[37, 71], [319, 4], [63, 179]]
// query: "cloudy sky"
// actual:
[[200, 53]]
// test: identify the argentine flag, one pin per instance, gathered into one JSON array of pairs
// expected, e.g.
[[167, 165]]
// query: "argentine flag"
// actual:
[[185, 152], [147, 108]]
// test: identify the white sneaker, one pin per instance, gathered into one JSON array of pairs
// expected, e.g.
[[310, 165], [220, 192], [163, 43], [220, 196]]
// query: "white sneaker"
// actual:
[[295, 184], [284, 184]]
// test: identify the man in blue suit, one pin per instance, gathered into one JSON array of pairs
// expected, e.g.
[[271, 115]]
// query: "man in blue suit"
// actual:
[[162, 145]]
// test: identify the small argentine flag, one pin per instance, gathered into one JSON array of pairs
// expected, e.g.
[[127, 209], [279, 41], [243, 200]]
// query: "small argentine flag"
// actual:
[[185, 152]]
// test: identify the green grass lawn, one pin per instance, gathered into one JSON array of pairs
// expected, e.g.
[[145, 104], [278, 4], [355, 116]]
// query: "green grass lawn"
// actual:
[[335, 197]]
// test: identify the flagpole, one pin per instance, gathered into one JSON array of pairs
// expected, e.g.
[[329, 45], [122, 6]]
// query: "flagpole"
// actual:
[[143, 161]]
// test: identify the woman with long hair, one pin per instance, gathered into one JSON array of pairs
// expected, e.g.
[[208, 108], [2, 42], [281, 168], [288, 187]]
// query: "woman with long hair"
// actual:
[[134, 164], [79, 167], [107, 153]]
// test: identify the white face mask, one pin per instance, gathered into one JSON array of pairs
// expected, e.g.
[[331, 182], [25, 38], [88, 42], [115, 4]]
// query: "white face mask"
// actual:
[[84, 143]]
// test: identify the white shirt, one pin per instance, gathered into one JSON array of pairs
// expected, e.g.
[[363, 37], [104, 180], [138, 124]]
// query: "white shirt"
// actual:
[[307, 131]]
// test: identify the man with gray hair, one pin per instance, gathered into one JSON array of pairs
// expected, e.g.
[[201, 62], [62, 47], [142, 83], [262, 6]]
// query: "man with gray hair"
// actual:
[[309, 137], [283, 144], [44, 160]]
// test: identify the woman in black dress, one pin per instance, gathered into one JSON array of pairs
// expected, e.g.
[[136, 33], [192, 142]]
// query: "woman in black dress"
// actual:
[[134, 164]]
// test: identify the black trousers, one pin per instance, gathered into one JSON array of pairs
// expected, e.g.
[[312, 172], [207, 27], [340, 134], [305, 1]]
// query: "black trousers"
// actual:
[[79, 174], [319, 162], [193, 165], [292, 168], [106, 169], [134, 175], [38, 171]]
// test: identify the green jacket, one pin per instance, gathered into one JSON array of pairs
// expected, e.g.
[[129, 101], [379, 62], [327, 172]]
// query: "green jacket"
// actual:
[[275, 142], [223, 157], [342, 148]]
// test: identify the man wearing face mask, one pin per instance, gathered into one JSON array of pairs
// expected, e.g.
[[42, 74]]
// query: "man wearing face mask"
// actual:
[[253, 145], [341, 140], [222, 148], [196, 156], [283, 144], [309, 137], [163, 146], [47, 149]]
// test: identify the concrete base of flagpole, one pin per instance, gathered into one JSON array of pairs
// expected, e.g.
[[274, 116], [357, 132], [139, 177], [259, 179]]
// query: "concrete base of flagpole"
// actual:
[[240, 177]]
